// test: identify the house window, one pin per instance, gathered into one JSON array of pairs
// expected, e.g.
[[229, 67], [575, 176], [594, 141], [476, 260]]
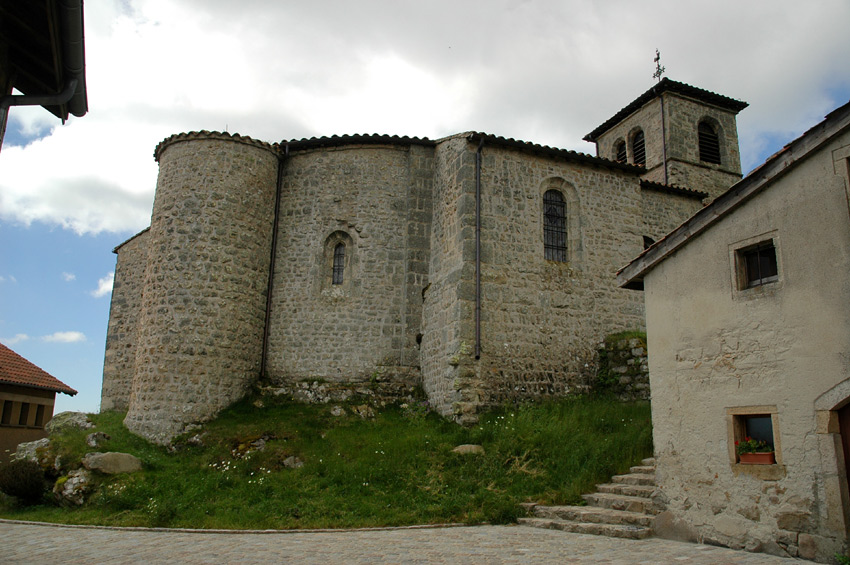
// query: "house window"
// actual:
[[757, 426], [6, 418], [709, 144], [25, 412], [339, 263], [620, 151], [639, 148], [757, 264], [754, 429], [39, 416], [554, 226]]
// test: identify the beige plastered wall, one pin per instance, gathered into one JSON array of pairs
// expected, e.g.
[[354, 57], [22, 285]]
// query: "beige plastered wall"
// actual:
[[779, 349]]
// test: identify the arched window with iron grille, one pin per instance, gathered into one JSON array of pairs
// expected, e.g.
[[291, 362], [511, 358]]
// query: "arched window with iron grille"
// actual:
[[554, 226], [639, 148], [709, 143], [339, 263]]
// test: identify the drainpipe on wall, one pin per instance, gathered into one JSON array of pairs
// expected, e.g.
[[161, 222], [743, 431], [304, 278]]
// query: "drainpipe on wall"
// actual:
[[478, 249], [663, 138], [40, 100], [278, 189]]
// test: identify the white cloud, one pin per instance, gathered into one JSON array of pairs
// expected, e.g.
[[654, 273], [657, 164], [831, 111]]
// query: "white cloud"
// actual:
[[8, 278], [65, 337], [9, 341], [68, 277], [546, 72], [104, 286]]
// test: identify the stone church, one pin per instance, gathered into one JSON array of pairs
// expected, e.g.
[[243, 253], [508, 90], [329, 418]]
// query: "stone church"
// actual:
[[478, 268]]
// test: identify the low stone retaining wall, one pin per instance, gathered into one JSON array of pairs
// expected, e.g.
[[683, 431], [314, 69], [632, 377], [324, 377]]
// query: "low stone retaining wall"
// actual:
[[623, 367]]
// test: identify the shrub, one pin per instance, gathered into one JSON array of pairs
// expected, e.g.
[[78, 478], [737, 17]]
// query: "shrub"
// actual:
[[24, 480]]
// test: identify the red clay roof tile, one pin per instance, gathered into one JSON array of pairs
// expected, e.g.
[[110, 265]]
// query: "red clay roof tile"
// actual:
[[16, 370]]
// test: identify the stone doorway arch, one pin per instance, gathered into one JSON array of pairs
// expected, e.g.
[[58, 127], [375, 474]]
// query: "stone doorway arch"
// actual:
[[832, 411]]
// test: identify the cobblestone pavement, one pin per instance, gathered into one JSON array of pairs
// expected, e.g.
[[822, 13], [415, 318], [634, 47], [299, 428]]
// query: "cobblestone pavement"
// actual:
[[41, 543]]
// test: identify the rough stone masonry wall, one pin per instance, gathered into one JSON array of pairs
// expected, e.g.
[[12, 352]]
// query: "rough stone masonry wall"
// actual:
[[681, 119], [663, 212], [623, 367], [542, 320], [201, 324], [377, 201], [685, 169], [122, 331], [447, 318]]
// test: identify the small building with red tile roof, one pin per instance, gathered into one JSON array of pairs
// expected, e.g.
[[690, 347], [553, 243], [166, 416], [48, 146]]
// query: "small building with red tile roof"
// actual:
[[27, 395]]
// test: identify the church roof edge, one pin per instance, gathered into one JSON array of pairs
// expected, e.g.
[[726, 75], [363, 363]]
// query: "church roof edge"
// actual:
[[667, 85]]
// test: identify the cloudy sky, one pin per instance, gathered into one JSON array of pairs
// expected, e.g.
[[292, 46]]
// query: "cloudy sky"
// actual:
[[540, 71]]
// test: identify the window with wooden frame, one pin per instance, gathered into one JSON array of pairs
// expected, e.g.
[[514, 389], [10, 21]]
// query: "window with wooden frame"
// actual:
[[757, 265], [554, 226], [754, 425], [639, 148], [709, 143]]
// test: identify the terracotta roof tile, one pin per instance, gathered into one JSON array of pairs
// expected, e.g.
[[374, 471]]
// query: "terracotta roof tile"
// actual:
[[667, 85], [16, 370]]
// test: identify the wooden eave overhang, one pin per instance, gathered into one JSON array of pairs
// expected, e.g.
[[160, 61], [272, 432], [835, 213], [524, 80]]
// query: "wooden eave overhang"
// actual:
[[45, 42]]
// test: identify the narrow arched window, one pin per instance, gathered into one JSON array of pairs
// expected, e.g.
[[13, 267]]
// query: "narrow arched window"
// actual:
[[639, 148], [620, 151], [554, 226], [339, 263], [709, 144]]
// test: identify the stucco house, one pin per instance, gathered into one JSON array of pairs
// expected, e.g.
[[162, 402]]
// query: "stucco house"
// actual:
[[748, 323], [27, 394]]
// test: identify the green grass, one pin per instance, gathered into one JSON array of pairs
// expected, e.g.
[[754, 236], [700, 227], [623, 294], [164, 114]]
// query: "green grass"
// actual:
[[395, 469]]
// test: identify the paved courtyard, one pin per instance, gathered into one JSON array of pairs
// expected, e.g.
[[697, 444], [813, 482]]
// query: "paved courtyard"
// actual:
[[41, 543]]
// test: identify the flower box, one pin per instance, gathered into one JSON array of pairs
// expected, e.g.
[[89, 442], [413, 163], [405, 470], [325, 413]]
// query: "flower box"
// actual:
[[763, 458]]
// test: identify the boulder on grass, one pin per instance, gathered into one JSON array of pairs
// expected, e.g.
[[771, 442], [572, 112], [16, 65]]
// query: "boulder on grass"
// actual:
[[469, 449], [112, 463], [29, 450], [67, 420], [94, 439], [73, 489]]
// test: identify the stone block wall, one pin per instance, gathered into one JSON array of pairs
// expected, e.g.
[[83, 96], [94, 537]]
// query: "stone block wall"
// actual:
[[542, 320], [447, 315], [121, 334], [681, 118], [376, 199], [623, 367], [685, 168], [203, 304], [664, 211]]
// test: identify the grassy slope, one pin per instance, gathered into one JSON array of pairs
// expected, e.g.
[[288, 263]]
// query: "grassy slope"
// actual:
[[395, 469]]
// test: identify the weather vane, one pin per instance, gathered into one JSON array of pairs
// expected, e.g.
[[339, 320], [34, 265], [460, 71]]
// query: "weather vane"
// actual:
[[659, 70]]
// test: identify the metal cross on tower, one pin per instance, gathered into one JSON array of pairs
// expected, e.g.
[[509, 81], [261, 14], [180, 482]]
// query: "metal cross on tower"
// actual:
[[659, 70]]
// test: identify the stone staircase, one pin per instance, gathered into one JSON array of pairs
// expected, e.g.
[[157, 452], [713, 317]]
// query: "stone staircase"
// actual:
[[622, 508]]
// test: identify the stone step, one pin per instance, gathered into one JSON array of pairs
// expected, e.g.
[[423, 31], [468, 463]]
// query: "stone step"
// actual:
[[644, 491], [610, 530], [649, 462], [621, 502], [593, 514], [643, 469], [634, 479]]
